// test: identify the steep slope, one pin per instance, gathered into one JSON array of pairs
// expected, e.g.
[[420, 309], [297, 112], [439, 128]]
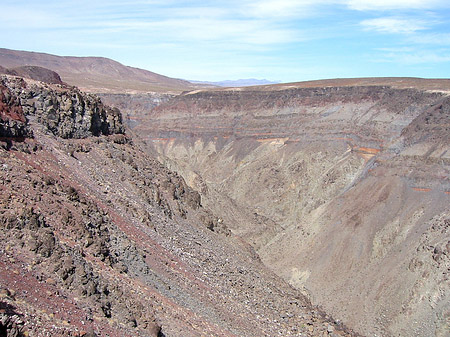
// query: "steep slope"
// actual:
[[343, 190], [99, 239], [96, 74]]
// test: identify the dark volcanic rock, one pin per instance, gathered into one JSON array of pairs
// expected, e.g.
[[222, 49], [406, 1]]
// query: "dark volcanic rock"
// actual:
[[13, 122], [65, 111], [432, 125]]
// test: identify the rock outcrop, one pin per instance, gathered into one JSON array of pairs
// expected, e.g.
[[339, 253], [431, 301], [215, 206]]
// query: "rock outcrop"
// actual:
[[13, 122], [65, 111]]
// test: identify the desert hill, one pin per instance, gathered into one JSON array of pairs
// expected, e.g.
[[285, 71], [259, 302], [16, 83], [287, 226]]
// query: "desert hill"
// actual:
[[96, 74], [35, 73]]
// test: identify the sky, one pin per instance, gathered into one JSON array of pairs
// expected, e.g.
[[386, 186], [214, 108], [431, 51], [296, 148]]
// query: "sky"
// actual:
[[278, 40]]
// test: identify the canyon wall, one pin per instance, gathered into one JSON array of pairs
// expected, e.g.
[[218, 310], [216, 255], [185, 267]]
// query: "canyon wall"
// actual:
[[343, 191]]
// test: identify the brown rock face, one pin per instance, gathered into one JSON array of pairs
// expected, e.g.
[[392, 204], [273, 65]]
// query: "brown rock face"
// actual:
[[342, 190]]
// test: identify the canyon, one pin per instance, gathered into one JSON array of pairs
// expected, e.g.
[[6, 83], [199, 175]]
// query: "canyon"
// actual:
[[100, 239], [343, 190], [315, 208]]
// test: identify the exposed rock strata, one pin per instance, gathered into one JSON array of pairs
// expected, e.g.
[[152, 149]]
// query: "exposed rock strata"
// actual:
[[338, 189]]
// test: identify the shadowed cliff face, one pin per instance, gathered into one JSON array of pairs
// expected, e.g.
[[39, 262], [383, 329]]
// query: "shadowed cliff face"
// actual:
[[343, 191], [100, 239]]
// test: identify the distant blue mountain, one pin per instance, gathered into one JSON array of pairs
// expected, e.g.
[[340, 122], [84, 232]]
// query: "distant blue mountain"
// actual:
[[237, 83]]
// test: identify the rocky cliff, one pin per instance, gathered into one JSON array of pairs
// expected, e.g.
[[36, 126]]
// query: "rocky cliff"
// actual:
[[343, 189], [100, 239], [13, 122], [64, 111]]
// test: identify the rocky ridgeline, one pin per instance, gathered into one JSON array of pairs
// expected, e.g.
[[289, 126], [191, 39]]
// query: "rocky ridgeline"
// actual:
[[64, 111], [255, 101]]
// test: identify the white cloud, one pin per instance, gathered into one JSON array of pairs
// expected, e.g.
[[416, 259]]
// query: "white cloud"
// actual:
[[229, 31], [441, 39], [397, 49], [415, 58], [19, 18], [279, 8], [395, 25], [369, 5], [428, 57]]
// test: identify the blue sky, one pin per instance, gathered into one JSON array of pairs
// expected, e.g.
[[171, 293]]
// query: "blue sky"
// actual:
[[282, 40]]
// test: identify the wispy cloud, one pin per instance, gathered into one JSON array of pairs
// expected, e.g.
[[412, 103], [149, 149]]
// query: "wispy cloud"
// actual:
[[27, 18], [283, 9], [383, 5], [209, 30], [411, 57], [433, 38], [395, 25]]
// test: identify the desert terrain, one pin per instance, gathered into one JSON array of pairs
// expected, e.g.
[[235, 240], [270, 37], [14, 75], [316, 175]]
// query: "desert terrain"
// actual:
[[315, 208]]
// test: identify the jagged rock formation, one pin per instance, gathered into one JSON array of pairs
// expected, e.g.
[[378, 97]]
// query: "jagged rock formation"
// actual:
[[66, 111], [343, 190], [13, 122], [100, 239]]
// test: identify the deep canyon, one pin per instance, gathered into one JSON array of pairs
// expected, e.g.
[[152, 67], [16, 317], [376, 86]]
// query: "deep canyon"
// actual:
[[343, 190], [307, 209]]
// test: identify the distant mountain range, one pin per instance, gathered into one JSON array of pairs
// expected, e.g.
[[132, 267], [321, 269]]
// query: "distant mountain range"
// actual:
[[237, 83]]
